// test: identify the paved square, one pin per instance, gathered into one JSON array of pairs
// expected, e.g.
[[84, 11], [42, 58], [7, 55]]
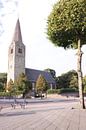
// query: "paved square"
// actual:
[[44, 116]]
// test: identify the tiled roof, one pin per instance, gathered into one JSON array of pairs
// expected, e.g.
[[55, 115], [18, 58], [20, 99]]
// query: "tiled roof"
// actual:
[[33, 74]]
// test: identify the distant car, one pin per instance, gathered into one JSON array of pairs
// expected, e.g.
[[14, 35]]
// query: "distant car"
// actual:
[[37, 95]]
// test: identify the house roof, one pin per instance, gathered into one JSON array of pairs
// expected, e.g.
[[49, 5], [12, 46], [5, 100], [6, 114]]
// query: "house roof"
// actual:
[[33, 74]]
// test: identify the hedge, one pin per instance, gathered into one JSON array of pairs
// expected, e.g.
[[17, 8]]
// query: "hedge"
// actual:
[[6, 94], [52, 91], [62, 90]]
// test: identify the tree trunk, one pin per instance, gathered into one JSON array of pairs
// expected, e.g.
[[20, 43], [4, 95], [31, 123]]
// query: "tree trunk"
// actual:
[[79, 71]]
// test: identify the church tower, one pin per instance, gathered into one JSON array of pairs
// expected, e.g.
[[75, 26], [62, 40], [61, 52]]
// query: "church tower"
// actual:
[[16, 55]]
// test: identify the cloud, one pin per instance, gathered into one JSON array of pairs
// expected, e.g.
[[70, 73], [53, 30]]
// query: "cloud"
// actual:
[[8, 9]]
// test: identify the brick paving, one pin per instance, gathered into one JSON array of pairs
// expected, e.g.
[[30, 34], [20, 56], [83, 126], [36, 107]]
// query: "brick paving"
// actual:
[[44, 116]]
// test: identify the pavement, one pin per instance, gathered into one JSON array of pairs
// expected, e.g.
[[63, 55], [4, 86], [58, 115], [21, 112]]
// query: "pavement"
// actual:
[[46, 114]]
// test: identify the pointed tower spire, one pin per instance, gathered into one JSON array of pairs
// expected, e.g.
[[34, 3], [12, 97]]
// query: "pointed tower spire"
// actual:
[[17, 33]]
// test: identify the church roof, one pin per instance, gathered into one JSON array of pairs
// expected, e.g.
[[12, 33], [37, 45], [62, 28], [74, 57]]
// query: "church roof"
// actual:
[[33, 74], [17, 33]]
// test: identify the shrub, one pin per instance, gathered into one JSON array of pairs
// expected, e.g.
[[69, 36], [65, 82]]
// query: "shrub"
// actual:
[[52, 91], [4, 94], [8, 94], [67, 90], [62, 90]]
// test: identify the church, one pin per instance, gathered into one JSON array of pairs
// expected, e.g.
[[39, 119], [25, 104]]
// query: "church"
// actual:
[[16, 62]]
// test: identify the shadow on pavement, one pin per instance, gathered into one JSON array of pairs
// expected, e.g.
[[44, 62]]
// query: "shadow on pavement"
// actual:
[[16, 113]]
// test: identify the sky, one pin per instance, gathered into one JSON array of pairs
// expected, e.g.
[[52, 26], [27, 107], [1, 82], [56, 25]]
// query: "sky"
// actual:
[[40, 52]]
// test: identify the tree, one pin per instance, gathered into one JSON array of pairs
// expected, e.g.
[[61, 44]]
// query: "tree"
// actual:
[[73, 79], [3, 81], [41, 84], [10, 85], [68, 80], [22, 84], [66, 27], [53, 73], [84, 83]]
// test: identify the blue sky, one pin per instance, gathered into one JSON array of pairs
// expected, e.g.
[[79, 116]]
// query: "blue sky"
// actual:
[[40, 52]]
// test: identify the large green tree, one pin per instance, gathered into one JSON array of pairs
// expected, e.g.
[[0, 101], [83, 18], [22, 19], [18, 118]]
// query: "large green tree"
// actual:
[[66, 27], [68, 80]]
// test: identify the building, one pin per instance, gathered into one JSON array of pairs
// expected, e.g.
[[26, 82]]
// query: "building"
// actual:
[[16, 61]]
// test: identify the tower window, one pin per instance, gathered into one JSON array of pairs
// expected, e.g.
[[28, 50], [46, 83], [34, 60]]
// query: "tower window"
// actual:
[[11, 51], [19, 50]]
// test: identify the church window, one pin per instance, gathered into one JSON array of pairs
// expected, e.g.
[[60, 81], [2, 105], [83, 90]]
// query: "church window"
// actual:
[[11, 51], [19, 50]]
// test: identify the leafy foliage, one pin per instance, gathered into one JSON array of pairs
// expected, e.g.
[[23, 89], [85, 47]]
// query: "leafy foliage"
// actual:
[[67, 28], [41, 84], [3, 77], [52, 91], [84, 83], [67, 23], [10, 85], [3, 81], [53, 73], [61, 90], [68, 80], [22, 84]]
